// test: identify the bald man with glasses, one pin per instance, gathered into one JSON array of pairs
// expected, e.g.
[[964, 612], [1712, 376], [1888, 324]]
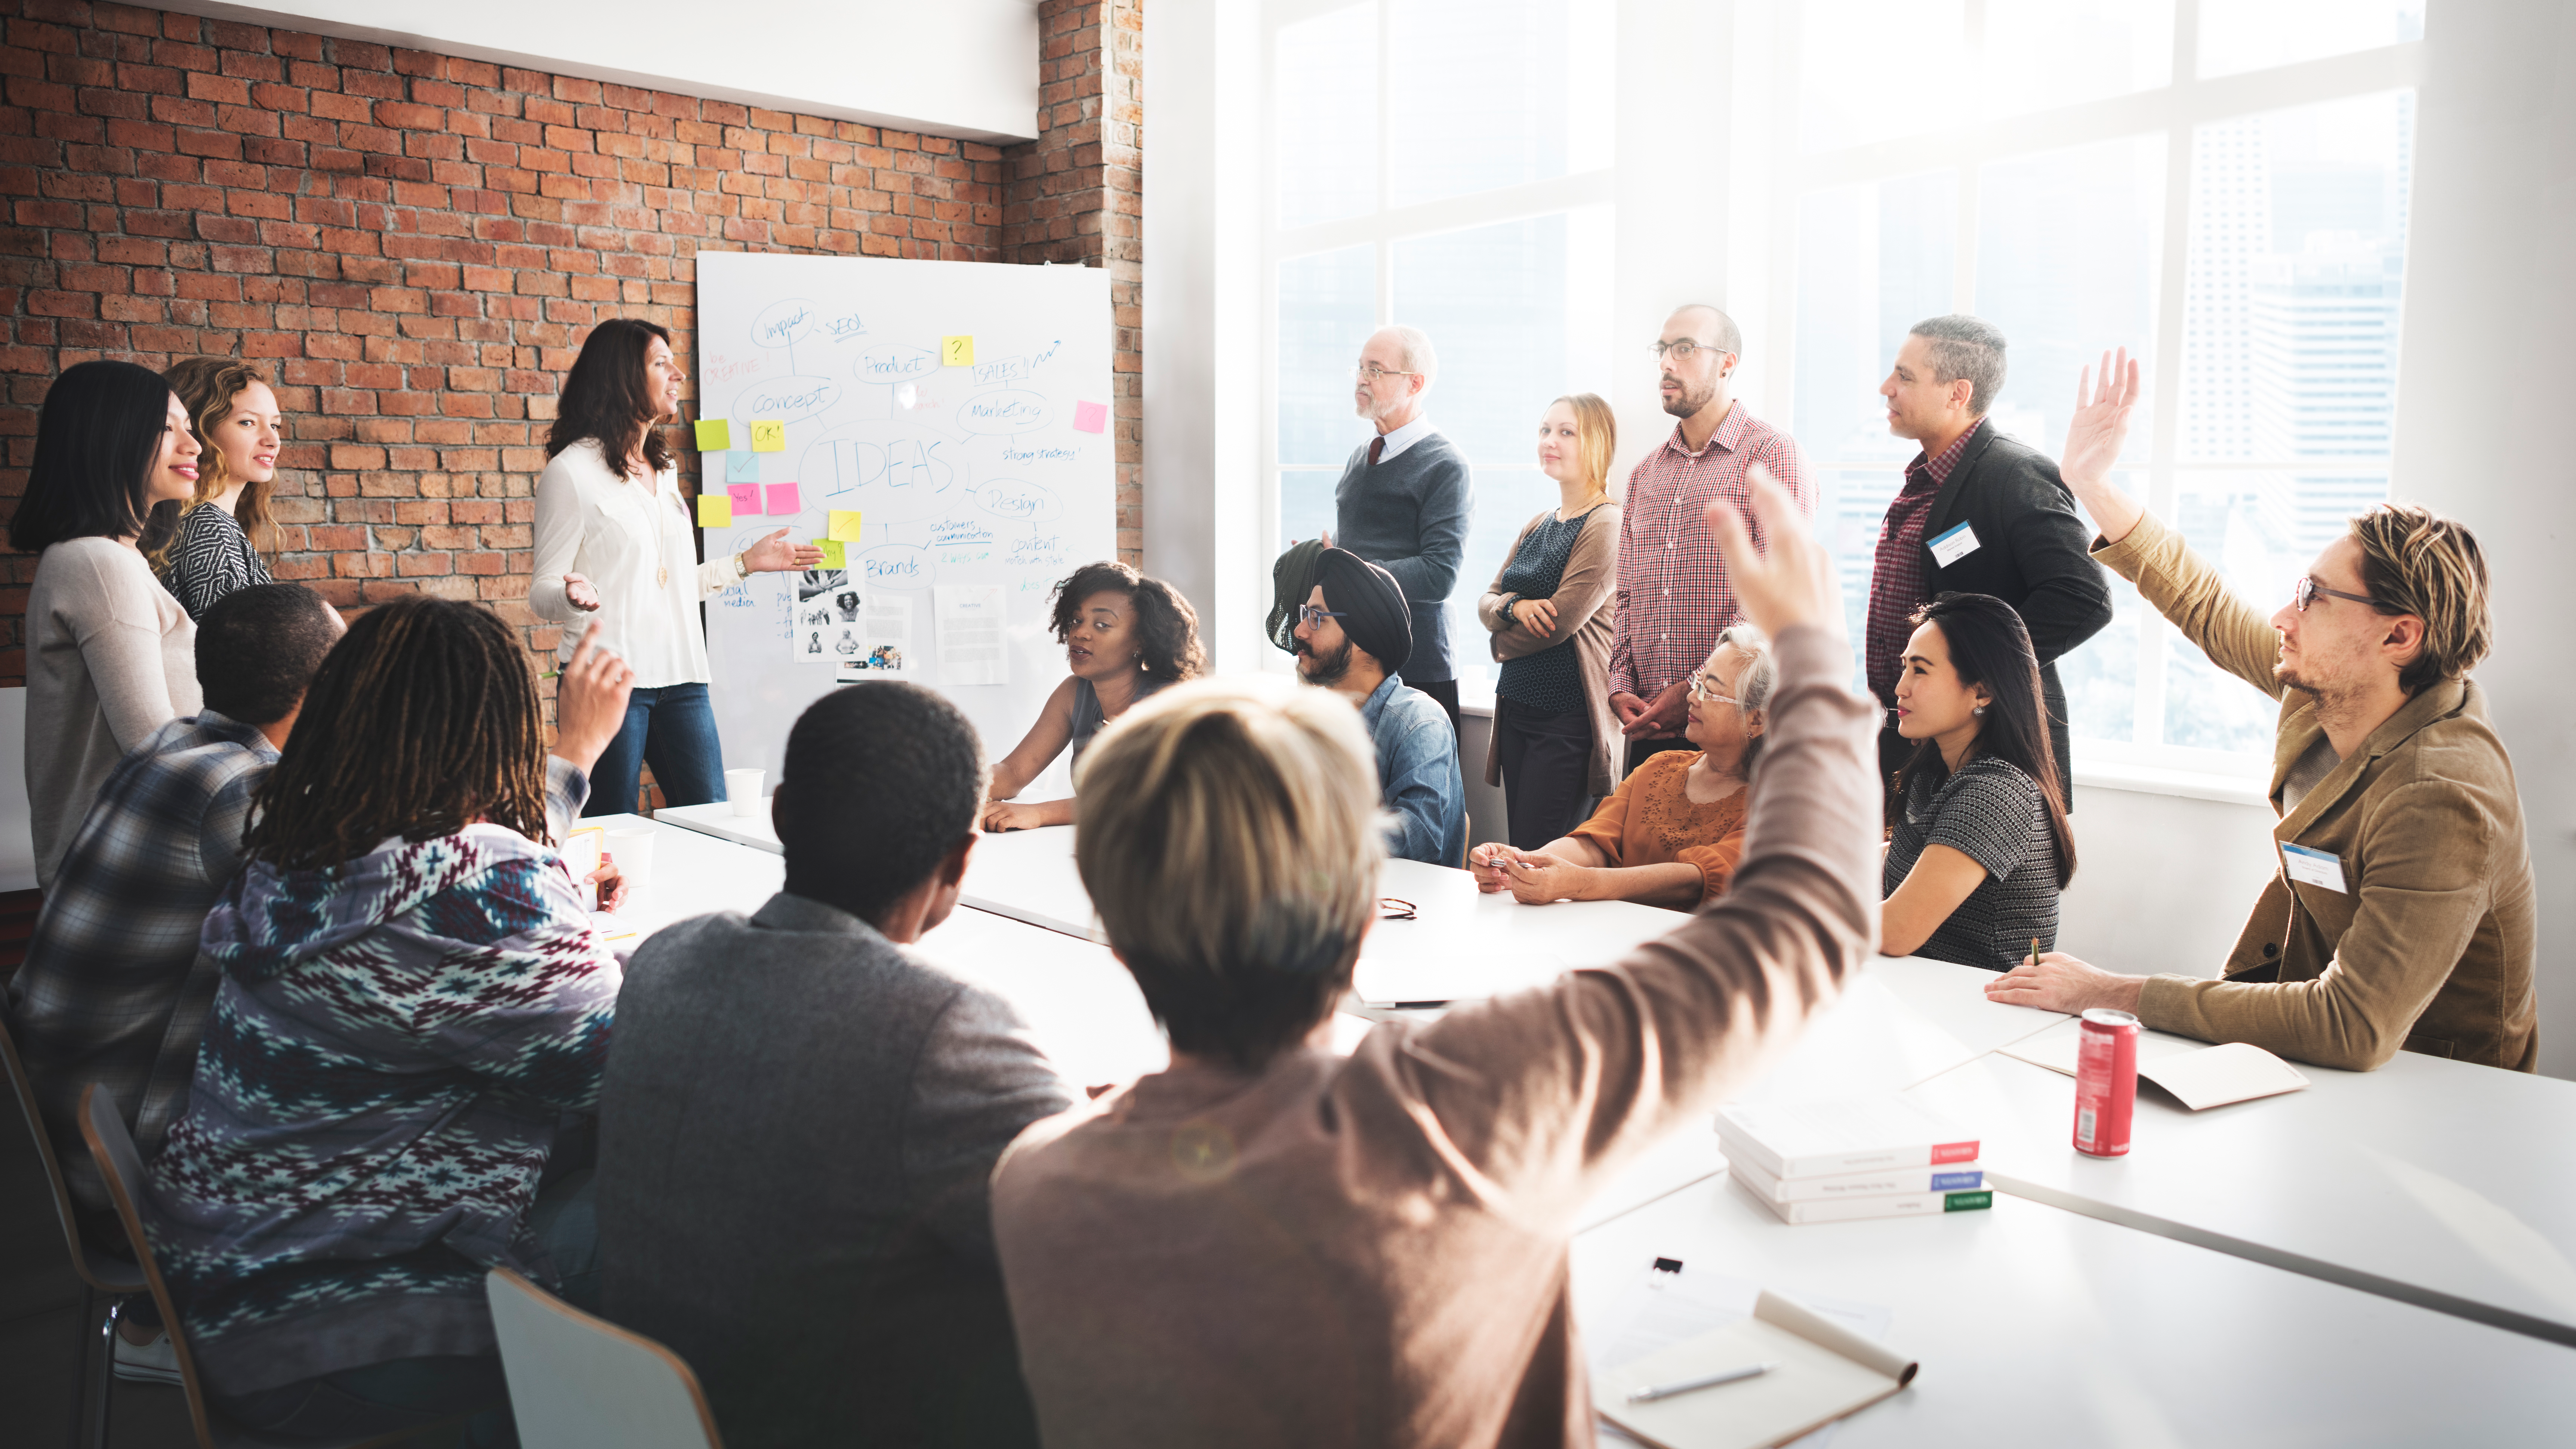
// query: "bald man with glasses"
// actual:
[[1674, 598], [1404, 501]]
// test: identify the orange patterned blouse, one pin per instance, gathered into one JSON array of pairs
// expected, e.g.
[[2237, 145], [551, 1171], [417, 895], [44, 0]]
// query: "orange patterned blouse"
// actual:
[[1650, 820]]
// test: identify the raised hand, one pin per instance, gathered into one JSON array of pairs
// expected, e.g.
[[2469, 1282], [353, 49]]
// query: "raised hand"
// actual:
[[1789, 581], [2093, 439]]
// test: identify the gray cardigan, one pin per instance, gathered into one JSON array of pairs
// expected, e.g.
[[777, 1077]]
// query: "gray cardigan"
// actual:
[[796, 1132], [1408, 515]]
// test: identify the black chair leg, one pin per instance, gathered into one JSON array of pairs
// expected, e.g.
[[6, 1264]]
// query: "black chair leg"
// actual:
[[103, 1375]]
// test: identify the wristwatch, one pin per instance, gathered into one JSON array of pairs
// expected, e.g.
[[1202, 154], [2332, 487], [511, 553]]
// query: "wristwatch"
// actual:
[[742, 566], [1508, 601]]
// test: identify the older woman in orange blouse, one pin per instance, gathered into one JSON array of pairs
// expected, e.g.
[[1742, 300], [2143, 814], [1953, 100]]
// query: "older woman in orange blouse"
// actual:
[[1672, 832]]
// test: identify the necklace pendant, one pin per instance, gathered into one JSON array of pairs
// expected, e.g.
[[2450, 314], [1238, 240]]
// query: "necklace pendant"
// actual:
[[662, 577]]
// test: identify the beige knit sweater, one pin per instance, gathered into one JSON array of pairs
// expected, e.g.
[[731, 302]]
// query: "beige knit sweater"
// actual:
[[111, 657], [1371, 1250]]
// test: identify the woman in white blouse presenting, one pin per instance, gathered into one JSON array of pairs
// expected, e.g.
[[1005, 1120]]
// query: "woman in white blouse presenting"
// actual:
[[614, 542]]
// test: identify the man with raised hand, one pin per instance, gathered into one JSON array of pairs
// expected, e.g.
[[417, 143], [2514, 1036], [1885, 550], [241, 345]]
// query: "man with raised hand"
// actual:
[[2401, 915]]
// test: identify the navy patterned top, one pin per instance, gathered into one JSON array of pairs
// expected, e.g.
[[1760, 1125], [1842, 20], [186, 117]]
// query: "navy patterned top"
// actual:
[[210, 558], [1995, 815], [1550, 681]]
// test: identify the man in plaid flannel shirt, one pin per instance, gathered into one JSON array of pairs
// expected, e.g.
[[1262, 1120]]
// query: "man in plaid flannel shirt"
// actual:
[[1673, 596]]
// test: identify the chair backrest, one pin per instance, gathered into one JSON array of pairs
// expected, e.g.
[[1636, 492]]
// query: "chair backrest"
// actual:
[[122, 1166], [100, 1270], [581, 1382]]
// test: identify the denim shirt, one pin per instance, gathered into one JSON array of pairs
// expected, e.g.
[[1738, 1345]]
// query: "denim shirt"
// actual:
[[1417, 771]]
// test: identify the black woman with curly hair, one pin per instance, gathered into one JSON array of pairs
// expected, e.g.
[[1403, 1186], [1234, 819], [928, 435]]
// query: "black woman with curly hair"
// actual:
[[1125, 637]]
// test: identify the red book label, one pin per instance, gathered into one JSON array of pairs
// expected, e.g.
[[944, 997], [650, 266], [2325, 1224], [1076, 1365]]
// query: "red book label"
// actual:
[[1954, 1152]]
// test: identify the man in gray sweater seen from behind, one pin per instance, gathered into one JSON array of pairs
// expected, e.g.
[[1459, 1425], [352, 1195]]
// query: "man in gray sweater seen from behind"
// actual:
[[800, 1116], [1404, 501]]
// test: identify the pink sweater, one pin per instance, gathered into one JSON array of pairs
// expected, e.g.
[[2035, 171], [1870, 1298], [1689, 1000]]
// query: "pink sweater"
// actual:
[[1371, 1250]]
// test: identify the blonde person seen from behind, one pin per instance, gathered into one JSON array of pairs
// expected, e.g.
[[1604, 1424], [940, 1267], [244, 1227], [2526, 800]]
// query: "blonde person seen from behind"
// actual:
[[614, 542], [1673, 832], [2402, 914], [225, 527], [1399, 1216], [1555, 744], [1125, 637]]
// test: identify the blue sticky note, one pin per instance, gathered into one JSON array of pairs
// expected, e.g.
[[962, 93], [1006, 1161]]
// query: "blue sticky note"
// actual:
[[742, 467]]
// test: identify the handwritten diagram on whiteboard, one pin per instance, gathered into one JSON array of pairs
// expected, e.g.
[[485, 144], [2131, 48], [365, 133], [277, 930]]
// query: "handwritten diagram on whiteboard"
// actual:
[[940, 428]]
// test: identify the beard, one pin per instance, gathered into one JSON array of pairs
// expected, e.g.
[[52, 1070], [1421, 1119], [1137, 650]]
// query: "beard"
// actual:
[[1326, 670], [1687, 403]]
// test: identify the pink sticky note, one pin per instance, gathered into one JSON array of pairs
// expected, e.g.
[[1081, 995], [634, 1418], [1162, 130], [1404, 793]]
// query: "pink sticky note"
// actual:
[[783, 499], [1090, 417], [746, 497]]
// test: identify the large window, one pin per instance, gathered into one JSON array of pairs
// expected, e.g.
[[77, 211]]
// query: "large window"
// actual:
[[1443, 164], [2220, 187]]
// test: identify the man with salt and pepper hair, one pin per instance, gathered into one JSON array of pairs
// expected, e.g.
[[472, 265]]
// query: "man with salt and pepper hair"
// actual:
[[1404, 499]]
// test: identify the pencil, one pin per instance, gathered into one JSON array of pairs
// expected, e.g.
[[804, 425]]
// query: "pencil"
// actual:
[[2034, 953]]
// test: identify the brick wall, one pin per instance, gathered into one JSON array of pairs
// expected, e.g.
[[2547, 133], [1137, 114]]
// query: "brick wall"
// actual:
[[416, 244]]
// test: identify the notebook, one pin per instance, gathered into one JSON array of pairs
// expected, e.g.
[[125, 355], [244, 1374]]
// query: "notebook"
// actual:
[[2199, 1077], [1822, 1371]]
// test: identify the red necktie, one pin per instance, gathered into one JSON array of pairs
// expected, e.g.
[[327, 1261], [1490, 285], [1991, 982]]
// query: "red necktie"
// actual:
[[1377, 445]]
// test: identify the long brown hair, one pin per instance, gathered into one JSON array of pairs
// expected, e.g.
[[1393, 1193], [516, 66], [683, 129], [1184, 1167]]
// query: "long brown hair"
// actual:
[[207, 387], [605, 400], [421, 721], [1990, 645]]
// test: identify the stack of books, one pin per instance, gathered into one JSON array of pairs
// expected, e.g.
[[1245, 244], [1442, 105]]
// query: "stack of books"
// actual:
[[1869, 1157]]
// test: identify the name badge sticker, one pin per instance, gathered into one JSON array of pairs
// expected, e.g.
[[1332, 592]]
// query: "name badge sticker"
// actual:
[[1953, 546], [2314, 867]]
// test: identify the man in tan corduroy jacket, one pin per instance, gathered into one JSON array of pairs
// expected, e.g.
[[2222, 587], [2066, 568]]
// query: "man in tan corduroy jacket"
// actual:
[[2400, 911]]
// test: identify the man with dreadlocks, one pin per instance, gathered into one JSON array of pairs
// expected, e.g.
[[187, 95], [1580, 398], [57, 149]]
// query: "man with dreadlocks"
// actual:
[[411, 998]]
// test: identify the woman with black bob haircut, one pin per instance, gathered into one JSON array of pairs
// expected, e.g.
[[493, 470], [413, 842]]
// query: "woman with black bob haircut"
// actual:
[[614, 542], [1125, 636], [111, 657], [1980, 847]]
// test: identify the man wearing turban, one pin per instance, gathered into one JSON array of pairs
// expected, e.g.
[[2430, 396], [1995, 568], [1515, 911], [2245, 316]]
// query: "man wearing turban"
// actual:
[[1355, 622]]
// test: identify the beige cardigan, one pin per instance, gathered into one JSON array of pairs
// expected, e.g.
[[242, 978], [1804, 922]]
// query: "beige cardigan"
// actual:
[[1370, 1250], [2431, 945], [1587, 611]]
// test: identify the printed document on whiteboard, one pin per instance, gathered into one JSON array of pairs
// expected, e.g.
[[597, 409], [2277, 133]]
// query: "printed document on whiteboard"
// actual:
[[970, 634]]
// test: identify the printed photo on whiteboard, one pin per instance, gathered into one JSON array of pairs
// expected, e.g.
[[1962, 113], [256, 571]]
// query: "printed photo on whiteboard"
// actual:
[[970, 634], [813, 583], [882, 641], [821, 609]]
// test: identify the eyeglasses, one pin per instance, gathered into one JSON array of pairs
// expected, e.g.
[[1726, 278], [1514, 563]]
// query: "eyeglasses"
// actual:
[[1370, 372], [2305, 591], [1396, 910], [1314, 618], [1683, 350], [1703, 687]]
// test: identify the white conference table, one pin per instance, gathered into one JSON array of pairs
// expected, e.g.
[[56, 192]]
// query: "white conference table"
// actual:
[[2430, 1181], [2036, 1326]]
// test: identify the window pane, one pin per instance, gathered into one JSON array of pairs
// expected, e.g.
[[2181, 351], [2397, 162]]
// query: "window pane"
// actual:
[[2044, 53], [2239, 35], [1306, 503], [1873, 70], [1491, 93], [2067, 255], [1516, 316], [1327, 307], [2247, 525], [2101, 675], [1873, 260], [1327, 123]]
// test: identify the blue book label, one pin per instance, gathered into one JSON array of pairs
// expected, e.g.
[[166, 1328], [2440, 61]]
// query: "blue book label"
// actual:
[[1955, 1181]]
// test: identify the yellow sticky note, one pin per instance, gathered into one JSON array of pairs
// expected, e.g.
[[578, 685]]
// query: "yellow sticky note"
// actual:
[[768, 435], [957, 352], [715, 511], [845, 526], [834, 556], [714, 436]]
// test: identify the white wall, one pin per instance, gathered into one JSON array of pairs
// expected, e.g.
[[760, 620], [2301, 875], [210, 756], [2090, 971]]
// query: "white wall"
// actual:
[[965, 68], [2482, 418]]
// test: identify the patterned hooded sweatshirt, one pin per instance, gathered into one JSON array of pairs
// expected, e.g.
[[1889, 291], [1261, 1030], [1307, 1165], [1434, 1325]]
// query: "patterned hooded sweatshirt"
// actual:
[[393, 1044]]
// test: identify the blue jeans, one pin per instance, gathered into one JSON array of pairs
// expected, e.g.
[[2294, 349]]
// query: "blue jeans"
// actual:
[[407, 1393], [674, 729]]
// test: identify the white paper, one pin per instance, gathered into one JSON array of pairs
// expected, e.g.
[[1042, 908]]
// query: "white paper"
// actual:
[[970, 634], [881, 643], [1438, 979], [2055, 1049], [1660, 1308], [2313, 867], [1953, 546], [822, 617], [2235, 1072]]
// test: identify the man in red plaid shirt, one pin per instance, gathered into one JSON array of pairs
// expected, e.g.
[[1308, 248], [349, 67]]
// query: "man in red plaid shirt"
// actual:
[[1674, 598]]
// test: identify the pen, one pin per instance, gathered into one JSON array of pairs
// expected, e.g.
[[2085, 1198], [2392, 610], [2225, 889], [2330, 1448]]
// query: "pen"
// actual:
[[1666, 1391], [2034, 953]]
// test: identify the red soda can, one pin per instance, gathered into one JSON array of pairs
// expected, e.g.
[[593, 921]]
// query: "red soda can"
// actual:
[[2106, 1082]]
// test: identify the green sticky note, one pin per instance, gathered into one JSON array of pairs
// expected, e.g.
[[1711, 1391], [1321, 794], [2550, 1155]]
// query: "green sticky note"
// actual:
[[715, 511], [845, 526], [713, 436], [957, 352], [834, 556], [768, 435]]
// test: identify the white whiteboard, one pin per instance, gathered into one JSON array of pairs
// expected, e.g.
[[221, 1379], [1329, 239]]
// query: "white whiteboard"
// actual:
[[1000, 474]]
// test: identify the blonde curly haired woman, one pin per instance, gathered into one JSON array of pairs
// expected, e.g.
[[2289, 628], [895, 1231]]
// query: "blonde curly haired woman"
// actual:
[[225, 527]]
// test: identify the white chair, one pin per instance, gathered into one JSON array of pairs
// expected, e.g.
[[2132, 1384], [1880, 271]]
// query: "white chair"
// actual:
[[579, 1382]]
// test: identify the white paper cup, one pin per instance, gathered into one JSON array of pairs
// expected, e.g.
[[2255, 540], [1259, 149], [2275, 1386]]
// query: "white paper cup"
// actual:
[[632, 850], [742, 787]]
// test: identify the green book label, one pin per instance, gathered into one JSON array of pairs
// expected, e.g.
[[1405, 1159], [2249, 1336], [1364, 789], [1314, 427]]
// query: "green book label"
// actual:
[[1961, 1202]]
